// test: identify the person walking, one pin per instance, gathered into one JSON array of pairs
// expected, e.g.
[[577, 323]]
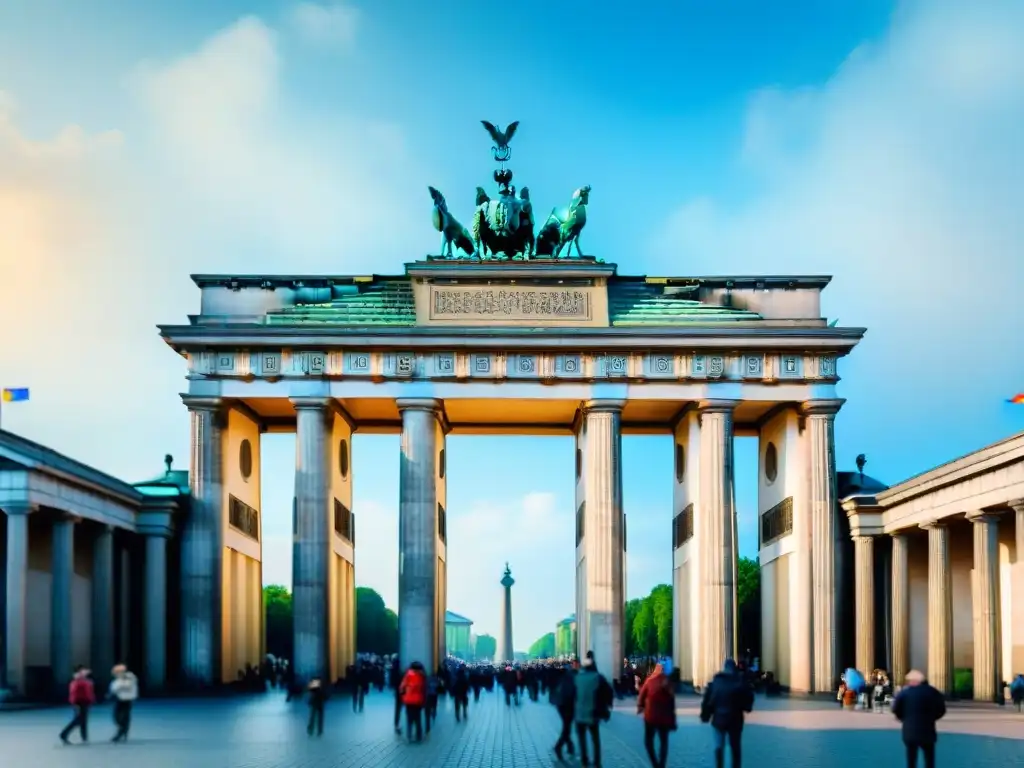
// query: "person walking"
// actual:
[[657, 702], [726, 699], [460, 693], [81, 696], [413, 691], [918, 707], [563, 696], [1017, 692], [433, 691], [594, 698], [395, 682], [317, 702], [124, 690]]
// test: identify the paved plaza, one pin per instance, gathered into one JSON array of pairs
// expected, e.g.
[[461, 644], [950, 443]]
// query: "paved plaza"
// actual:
[[267, 732]]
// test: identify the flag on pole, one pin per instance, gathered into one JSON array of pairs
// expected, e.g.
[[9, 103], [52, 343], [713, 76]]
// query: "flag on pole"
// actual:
[[15, 394], [1017, 399]]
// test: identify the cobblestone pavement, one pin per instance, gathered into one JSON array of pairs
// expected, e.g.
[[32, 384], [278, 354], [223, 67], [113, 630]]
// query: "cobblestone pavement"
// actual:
[[266, 732]]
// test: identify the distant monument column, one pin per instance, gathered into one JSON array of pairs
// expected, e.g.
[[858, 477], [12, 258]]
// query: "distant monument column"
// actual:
[[506, 651]]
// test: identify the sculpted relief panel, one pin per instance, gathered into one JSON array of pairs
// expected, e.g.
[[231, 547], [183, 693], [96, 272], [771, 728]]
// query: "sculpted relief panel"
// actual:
[[509, 304]]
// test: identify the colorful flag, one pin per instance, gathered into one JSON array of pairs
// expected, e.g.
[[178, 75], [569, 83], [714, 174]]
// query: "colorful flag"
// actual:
[[15, 394], [1017, 399]]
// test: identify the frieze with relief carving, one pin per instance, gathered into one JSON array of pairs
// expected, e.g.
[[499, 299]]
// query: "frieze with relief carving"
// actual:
[[468, 365], [470, 303]]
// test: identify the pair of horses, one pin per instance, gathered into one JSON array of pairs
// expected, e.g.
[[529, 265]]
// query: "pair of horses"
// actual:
[[504, 227]]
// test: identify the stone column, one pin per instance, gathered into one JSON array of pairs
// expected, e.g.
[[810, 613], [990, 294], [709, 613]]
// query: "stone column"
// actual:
[[603, 534], [900, 607], [156, 612], [417, 532], [715, 536], [1016, 616], [987, 640], [202, 545], [508, 652], [940, 609], [864, 577], [15, 595], [103, 606], [311, 559], [825, 558], [62, 570]]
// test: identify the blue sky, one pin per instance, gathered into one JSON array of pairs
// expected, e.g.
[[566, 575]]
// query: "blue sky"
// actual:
[[878, 142]]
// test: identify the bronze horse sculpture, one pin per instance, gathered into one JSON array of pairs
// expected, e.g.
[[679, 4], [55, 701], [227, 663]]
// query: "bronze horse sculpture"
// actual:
[[452, 232]]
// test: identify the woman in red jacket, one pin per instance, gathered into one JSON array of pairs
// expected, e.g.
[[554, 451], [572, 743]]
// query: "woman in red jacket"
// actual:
[[81, 696], [413, 691], [657, 701]]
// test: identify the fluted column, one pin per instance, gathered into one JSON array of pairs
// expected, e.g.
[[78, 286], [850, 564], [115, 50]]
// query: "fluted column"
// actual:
[[103, 605], [202, 545], [62, 570], [16, 583], [987, 645], [417, 532], [715, 535], [603, 534], [900, 607], [940, 609], [825, 551], [864, 577], [311, 565], [156, 612]]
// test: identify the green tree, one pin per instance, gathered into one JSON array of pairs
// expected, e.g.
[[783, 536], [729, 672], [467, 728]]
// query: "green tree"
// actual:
[[543, 647], [645, 632], [277, 607], [632, 609], [661, 606], [376, 624], [748, 598], [486, 647]]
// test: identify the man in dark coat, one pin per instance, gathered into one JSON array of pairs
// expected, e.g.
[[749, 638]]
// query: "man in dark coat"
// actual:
[[563, 696], [726, 699], [919, 706]]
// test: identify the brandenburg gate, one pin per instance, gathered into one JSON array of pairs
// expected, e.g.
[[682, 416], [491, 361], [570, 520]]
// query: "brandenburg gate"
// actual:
[[511, 333]]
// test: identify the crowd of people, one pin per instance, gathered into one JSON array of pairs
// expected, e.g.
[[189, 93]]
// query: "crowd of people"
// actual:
[[581, 695]]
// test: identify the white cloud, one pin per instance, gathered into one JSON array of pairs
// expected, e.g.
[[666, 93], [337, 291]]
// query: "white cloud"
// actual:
[[332, 24], [901, 176], [216, 170]]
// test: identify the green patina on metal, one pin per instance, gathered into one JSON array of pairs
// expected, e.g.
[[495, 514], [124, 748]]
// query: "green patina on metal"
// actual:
[[387, 302], [638, 302]]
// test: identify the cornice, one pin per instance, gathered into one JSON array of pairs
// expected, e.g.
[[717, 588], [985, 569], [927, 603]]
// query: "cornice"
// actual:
[[839, 340]]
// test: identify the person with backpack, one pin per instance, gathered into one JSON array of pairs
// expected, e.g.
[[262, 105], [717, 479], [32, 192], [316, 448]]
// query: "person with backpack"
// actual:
[[594, 699], [726, 700], [657, 702]]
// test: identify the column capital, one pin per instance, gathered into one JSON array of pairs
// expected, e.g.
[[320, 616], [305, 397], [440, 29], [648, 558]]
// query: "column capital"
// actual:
[[419, 404], [19, 508], [202, 403], [311, 403], [902, 533], [1017, 505], [863, 539], [603, 406], [62, 516], [934, 525], [821, 407], [982, 516], [717, 406]]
